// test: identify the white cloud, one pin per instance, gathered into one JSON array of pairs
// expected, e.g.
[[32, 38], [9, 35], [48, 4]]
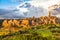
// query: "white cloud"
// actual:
[[34, 10], [28, 9], [24, 10], [44, 3]]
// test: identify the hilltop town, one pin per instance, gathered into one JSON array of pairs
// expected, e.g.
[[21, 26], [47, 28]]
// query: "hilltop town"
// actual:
[[30, 27], [27, 22]]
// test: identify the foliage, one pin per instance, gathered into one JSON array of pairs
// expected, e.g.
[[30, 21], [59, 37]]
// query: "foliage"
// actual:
[[39, 32]]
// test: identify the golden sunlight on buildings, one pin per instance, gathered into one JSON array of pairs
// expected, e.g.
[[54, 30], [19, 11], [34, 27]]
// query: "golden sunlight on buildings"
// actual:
[[27, 22]]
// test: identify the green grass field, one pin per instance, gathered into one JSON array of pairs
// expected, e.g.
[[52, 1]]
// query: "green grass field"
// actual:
[[39, 32]]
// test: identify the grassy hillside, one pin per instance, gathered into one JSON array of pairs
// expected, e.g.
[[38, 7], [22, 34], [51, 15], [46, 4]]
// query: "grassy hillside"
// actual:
[[39, 32]]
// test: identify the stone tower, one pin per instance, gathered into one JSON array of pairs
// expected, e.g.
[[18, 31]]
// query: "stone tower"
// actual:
[[49, 14]]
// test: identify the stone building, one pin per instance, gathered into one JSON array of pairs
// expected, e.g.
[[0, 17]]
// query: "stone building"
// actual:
[[48, 19], [27, 22]]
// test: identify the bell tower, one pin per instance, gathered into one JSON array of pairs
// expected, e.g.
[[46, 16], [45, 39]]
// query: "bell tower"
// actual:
[[49, 14]]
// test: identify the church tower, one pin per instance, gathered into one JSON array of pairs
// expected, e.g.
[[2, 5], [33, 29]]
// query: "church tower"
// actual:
[[49, 14]]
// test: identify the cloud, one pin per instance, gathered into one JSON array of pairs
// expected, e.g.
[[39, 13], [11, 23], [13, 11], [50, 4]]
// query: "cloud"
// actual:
[[44, 3], [56, 11], [23, 10], [32, 10], [37, 12], [14, 13], [28, 9], [38, 7]]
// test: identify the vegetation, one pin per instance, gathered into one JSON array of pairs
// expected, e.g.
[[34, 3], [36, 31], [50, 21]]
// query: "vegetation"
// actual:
[[38, 32]]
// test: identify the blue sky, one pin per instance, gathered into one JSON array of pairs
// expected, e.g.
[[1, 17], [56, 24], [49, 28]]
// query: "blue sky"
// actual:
[[10, 3], [14, 3]]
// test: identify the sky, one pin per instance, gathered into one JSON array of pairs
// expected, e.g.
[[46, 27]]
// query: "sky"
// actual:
[[10, 3], [26, 8]]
